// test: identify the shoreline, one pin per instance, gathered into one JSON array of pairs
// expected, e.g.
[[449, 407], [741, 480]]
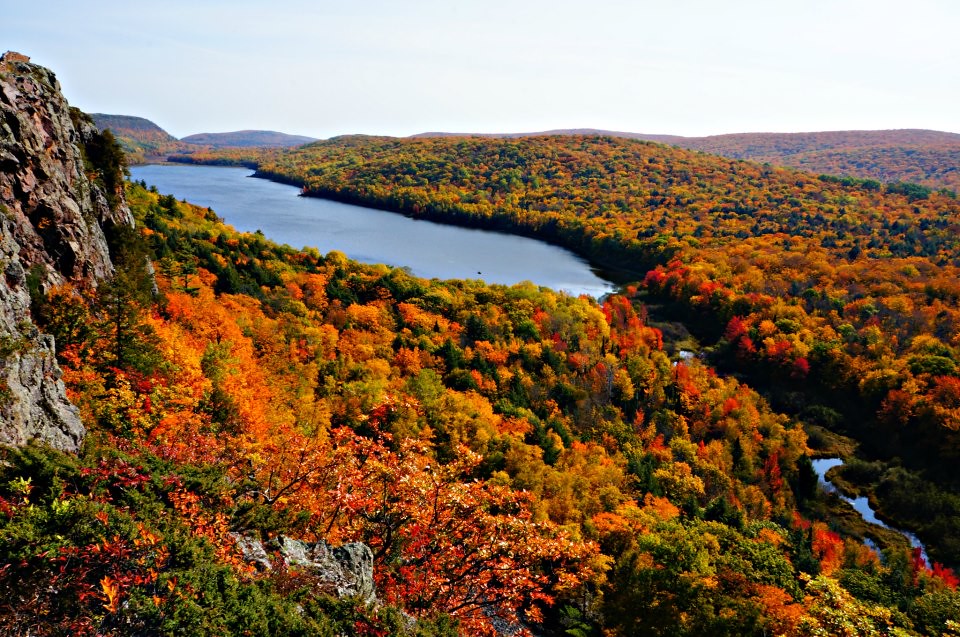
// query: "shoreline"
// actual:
[[612, 271]]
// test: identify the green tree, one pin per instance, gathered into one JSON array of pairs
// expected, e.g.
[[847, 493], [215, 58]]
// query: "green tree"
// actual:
[[122, 300]]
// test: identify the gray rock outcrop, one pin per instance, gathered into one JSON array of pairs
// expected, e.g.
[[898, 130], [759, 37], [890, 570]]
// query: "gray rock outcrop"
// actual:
[[342, 571], [52, 214]]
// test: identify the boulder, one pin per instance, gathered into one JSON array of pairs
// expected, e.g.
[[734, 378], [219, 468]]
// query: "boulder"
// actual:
[[341, 571]]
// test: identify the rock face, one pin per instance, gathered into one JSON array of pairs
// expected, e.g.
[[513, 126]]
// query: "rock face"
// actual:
[[343, 571], [52, 215]]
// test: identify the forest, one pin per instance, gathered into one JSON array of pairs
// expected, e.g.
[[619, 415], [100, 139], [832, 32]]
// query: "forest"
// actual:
[[140, 138], [926, 157], [836, 297], [513, 456]]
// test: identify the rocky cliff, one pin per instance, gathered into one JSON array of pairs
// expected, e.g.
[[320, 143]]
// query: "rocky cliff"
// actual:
[[54, 205]]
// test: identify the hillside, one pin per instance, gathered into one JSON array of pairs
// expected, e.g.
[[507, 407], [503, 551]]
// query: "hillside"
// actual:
[[283, 442], [507, 453], [930, 158], [247, 138], [760, 145], [837, 296], [136, 128], [662, 139], [143, 141]]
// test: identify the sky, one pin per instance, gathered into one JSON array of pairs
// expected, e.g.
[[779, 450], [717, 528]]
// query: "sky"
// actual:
[[400, 67]]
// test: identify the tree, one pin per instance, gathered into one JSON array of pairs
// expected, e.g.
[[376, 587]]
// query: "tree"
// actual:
[[129, 343], [444, 541], [122, 301], [834, 611]]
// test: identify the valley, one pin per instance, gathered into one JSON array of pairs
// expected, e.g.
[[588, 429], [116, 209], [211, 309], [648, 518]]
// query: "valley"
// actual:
[[478, 457]]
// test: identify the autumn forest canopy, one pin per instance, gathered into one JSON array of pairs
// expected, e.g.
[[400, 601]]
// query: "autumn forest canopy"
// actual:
[[837, 295], [516, 459]]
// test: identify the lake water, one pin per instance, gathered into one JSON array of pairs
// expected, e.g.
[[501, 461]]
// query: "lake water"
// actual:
[[428, 249]]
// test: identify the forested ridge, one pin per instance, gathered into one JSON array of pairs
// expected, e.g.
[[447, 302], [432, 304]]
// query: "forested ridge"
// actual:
[[139, 137], [143, 141], [930, 158], [927, 157], [835, 296], [271, 441], [572, 476], [507, 453]]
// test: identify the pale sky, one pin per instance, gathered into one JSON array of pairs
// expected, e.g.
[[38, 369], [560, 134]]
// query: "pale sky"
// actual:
[[399, 67]]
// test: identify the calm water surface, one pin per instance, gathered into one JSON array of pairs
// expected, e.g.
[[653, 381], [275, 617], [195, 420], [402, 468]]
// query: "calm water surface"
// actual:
[[428, 249]]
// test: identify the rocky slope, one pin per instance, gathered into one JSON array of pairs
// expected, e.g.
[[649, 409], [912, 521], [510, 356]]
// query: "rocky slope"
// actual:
[[53, 209]]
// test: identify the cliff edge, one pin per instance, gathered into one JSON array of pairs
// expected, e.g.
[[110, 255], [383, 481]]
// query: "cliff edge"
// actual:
[[55, 202]]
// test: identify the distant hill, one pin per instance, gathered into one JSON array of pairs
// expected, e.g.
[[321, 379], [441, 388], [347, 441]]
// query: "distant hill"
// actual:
[[248, 138], [662, 139], [137, 128], [927, 157], [143, 141], [752, 145]]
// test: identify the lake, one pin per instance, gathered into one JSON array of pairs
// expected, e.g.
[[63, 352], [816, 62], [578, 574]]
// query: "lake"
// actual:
[[427, 249]]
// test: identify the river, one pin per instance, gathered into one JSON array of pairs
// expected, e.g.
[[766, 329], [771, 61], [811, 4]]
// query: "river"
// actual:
[[429, 250], [861, 504]]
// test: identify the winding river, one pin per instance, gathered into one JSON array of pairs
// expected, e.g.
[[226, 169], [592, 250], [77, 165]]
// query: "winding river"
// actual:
[[861, 504], [428, 249]]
